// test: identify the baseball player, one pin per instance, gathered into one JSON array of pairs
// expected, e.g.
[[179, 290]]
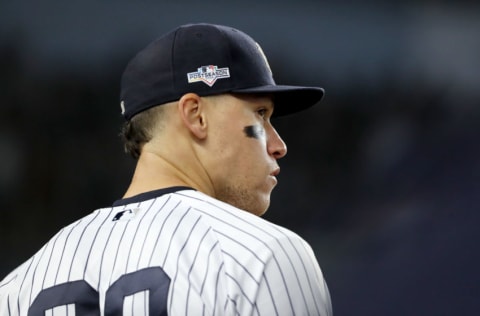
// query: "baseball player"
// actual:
[[187, 238]]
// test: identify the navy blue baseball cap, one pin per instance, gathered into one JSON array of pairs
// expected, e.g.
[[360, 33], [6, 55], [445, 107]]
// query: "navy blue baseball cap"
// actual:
[[205, 59]]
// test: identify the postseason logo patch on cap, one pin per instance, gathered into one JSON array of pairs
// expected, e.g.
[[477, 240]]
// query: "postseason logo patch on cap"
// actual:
[[208, 74]]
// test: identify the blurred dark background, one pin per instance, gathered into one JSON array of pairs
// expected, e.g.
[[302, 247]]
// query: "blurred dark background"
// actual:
[[383, 179]]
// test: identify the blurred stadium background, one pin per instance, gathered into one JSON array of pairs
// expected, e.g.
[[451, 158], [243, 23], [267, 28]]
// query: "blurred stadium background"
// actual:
[[383, 179]]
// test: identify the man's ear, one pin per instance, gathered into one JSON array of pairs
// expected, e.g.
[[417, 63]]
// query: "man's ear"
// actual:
[[192, 111]]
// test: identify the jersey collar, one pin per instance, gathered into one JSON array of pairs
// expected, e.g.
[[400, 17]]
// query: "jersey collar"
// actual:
[[149, 195]]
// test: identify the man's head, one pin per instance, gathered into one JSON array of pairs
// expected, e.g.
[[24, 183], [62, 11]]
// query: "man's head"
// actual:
[[200, 99]]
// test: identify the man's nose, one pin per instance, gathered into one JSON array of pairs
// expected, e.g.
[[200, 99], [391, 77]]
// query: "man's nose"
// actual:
[[276, 146]]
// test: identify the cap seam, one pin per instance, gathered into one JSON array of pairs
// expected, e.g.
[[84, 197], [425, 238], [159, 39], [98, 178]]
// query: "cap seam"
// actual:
[[172, 62], [229, 47]]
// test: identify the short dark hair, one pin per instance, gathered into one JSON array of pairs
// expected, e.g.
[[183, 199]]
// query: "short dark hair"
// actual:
[[138, 131]]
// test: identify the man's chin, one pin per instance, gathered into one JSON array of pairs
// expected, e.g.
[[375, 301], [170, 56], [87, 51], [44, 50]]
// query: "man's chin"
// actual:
[[261, 207], [256, 203]]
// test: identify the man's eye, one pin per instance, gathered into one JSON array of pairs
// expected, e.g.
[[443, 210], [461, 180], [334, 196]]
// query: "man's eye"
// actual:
[[262, 112]]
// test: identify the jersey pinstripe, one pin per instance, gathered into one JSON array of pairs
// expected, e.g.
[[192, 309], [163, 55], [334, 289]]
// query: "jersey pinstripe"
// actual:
[[210, 258]]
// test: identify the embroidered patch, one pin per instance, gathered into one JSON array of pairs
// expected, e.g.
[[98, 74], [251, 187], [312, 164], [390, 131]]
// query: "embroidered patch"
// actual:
[[208, 74]]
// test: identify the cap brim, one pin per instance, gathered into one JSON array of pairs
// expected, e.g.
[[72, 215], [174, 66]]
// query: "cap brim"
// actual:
[[288, 99]]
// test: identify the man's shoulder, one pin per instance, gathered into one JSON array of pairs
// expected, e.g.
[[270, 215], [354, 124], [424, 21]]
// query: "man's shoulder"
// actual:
[[237, 231], [238, 225], [222, 213]]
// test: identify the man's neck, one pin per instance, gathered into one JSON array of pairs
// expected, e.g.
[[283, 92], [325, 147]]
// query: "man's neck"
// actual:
[[154, 172]]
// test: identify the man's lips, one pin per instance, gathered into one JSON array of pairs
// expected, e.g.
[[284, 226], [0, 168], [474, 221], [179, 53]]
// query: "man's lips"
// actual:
[[275, 172], [274, 175]]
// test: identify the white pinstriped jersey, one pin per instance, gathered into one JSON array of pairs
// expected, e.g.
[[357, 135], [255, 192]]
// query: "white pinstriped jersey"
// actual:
[[174, 251]]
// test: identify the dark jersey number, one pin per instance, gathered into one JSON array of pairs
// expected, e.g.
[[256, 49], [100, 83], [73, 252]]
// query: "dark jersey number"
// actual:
[[79, 293], [86, 299]]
